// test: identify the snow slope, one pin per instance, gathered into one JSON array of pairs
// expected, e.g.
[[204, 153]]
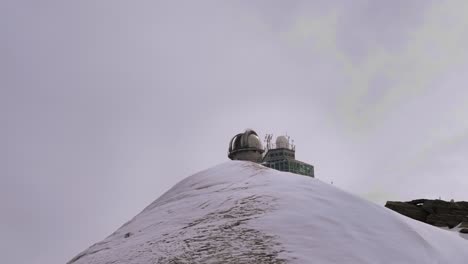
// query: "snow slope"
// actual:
[[457, 231], [241, 212]]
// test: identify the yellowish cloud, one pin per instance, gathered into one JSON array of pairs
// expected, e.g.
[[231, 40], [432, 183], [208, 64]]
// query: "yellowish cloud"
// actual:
[[432, 49], [436, 149]]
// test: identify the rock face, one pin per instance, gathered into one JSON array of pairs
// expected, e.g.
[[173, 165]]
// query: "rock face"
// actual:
[[434, 212]]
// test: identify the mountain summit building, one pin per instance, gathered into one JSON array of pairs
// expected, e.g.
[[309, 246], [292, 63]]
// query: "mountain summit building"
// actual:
[[280, 156]]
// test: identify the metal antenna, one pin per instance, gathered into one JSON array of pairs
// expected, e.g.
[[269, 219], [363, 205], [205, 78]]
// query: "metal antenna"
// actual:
[[268, 141]]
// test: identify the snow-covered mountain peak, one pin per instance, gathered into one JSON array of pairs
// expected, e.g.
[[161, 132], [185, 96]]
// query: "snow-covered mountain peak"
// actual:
[[241, 212]]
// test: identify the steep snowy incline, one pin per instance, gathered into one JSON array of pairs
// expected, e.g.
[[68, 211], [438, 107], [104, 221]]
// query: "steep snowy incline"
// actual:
[[241, 212]]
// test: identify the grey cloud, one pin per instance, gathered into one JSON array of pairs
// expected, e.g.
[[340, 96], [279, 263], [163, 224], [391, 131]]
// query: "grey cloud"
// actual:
[[106, 105]]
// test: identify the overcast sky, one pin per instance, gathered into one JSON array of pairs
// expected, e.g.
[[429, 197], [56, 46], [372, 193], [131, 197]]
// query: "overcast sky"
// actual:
[[105, 105]]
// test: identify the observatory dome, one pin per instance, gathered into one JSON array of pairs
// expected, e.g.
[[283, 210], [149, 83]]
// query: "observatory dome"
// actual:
[[282, 142], [245, 146]]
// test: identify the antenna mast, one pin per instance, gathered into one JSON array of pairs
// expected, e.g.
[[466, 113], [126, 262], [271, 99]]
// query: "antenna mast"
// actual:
[[268, 138]]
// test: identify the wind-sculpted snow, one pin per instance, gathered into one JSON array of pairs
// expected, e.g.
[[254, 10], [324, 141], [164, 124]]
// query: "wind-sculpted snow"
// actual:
[[242, 212], [223, 236], [206, 223]]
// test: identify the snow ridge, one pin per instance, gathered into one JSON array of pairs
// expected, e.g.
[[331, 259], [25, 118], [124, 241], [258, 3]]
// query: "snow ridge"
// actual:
[[241, 212], [223, 235]]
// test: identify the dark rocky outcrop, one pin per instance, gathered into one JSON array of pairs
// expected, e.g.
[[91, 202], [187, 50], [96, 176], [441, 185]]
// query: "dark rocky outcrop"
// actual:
[[434, 212]]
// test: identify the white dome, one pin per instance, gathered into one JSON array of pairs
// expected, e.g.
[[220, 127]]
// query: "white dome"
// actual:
[[254, 142], [282, 142]]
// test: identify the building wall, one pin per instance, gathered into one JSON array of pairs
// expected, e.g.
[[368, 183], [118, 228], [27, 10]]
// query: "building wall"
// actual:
[[252, 155], [293, 166]]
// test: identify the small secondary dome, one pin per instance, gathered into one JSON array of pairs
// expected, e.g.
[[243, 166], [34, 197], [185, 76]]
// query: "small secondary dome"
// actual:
[[246, 146], [282, 142]]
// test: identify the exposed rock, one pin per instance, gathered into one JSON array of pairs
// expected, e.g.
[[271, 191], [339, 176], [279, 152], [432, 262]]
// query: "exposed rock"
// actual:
[[434, 212], [464, 230], [408, 209]]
